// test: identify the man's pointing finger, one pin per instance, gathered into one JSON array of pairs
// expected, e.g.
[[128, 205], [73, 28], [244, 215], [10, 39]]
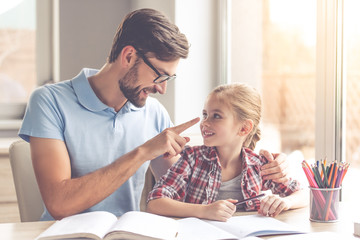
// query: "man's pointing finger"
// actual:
[[182, 127]]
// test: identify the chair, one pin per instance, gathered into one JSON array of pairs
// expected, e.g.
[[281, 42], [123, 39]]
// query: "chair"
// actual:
[[27, 191]]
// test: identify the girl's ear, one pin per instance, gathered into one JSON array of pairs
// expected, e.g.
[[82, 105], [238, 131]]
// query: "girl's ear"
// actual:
[[246, 127]]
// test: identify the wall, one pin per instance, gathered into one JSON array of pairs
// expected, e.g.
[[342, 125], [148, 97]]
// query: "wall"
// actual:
[[246, 42], [83, 38], [167, 7], [85, 33], [197, 74]]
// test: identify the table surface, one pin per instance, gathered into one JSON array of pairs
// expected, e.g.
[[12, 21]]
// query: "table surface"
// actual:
[[297, 217]]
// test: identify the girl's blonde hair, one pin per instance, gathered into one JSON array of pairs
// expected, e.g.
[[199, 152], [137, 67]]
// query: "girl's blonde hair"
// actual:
[[245, 101]]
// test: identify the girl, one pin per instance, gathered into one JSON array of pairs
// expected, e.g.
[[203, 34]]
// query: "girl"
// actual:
[[208, 180]]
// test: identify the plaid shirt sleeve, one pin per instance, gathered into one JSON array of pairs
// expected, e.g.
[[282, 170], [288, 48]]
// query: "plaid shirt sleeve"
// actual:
[[174, 183]]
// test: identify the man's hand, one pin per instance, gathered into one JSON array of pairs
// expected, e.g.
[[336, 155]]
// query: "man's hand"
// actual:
[[277, 167], [169, 142]]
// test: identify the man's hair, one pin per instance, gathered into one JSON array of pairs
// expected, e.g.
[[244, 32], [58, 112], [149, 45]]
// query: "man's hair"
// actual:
[[149, 30]]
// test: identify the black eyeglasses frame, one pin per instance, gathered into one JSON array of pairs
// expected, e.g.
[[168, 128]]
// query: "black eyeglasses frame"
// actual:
[[161, 77]]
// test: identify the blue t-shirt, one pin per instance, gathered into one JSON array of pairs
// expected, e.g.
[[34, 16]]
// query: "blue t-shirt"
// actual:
[[95, 135]]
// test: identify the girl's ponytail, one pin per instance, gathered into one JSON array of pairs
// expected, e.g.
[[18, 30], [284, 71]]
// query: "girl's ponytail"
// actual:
[[251, 141]]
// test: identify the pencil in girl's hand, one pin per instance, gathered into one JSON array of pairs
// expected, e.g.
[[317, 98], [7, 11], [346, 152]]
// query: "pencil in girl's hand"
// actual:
[[248, 199]]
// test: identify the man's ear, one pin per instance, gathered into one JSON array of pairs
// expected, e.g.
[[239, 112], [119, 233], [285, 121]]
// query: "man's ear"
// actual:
[[127, 57], [246, 127]]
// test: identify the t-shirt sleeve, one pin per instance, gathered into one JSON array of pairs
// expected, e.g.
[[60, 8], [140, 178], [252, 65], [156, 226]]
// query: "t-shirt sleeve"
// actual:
[[164, 118], [42, 117]]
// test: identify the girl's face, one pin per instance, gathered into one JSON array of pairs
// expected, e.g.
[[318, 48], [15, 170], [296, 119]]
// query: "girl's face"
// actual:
[[219, 127]]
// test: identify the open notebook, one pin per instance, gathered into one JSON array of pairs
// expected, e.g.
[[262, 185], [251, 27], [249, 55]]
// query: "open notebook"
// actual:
[[141, 225]]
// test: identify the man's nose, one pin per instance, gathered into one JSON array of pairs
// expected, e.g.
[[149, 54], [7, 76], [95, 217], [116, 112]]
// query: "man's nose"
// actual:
[[161, 87]]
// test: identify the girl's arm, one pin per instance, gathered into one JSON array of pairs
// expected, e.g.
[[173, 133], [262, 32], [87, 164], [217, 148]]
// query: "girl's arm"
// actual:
[[273, 205], [288, 195], [220, 210]]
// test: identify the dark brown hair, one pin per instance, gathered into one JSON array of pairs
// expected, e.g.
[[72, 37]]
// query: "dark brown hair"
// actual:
[[149, 30]]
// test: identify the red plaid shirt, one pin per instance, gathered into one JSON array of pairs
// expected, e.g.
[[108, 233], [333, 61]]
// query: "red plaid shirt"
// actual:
[[196, 178]]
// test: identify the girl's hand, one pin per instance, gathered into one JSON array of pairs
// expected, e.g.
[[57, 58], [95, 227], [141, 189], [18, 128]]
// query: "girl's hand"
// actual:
[[220, 210], [272, 205]]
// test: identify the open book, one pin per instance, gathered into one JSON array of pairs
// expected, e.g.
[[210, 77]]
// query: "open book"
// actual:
[[141, 225], [104, 225], [237, 227]]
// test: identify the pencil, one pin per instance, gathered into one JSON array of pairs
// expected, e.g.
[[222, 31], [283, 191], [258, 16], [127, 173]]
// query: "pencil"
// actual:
[[248, 199], [325, 175], [318, 196], [339, 176], [308, 167], [331, 171], [331, 194], [334, 174], [322, 169], [345, 170], [317, 177]]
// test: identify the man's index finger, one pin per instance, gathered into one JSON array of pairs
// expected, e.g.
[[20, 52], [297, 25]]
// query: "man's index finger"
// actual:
[[182, 127]]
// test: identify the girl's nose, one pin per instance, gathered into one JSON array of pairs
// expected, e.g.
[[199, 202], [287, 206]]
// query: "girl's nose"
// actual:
[[205, 122]]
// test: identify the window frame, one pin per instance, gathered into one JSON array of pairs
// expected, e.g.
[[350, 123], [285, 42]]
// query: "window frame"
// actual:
[[330, 115], [330, 84], [45, 16], [43, 60]]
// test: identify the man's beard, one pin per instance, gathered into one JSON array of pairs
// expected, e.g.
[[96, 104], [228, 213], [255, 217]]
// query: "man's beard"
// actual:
[[132, 94]]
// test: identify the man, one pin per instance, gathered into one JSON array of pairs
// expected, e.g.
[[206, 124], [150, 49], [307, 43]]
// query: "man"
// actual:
[[92, 137]]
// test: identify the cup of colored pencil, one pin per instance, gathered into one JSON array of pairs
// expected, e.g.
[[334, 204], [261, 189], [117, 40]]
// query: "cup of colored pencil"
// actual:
[[325, 185]]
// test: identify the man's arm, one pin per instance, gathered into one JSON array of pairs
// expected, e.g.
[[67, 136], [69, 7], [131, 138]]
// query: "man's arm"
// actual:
[[64, 196], [277, 168]]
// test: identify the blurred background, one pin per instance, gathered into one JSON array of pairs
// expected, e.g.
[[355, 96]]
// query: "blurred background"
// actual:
[[302, 55]]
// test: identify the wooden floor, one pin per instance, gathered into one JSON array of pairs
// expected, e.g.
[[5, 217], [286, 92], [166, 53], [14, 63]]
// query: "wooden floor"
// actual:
[[9, 211]]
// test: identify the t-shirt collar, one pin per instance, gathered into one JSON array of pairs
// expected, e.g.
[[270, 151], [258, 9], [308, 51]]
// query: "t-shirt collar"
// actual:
[[87, 96]]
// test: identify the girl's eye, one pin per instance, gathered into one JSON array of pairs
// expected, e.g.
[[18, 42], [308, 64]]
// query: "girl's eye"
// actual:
[[216, 116], [204, 115]]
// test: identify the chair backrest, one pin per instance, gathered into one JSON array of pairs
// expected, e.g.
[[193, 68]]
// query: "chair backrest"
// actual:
[[27, 191]]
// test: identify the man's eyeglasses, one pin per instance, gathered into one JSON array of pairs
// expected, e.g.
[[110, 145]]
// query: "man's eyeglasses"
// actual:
[[161, 77]]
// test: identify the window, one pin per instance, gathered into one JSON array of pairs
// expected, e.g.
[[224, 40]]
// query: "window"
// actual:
[[302, 55], [352, 78], [17, 56], [351, 75], [274, 50]]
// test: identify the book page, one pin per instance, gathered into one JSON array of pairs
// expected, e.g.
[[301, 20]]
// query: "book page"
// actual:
[[255, 225], [144, 224], [194, 228], [313, 236], [92, 225]]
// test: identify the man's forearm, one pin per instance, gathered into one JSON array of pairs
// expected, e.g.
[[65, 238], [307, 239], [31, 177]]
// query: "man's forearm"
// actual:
[[74, 195]]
